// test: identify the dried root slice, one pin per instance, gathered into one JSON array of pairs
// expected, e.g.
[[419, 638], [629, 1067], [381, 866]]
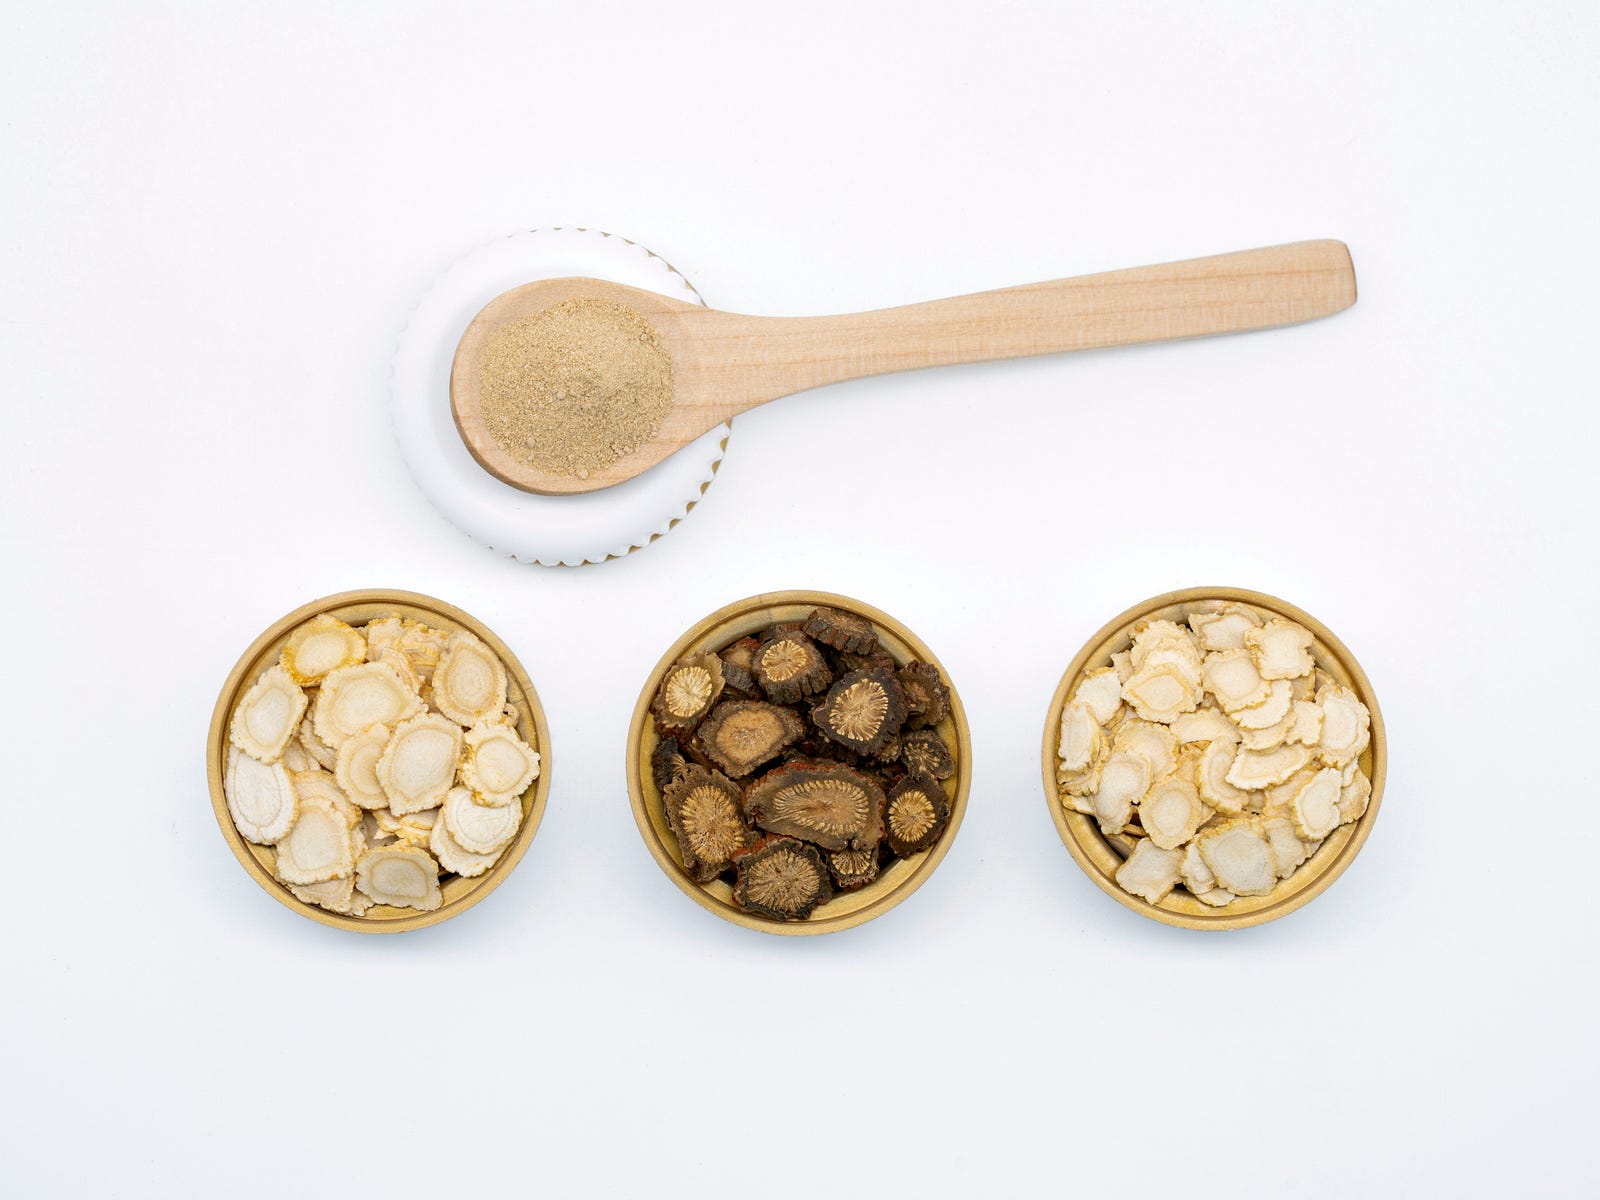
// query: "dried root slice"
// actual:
[[1153, 743], [1225, 628], [356, 768], [1078, 786], [268, 715], [1307, 726], [1122, 664], [1080, 740], [1150, 637], [1162, 690], [382, 633], [321, 646], [478, 828], [1196, 876], [320, 785], [852, 869], [827, 803], [402, 666], [1270, 711], [667, 763], [260, 798], [1100, 691], [789, 667], [453, 857], [336, 895], [401, 877], [1216, 897], [687, 693], [418, 764], [356, 698], [782, 879], [324, 755], [318, 848], [1213, 783], [497, 764], [1204, 725], [1280, 797], [296, 758], [1288, 851], [1171, 812], [740, 735], [1149, 872], [914, 815], [1354, 798], [1346, 726], [1253, 770], [1239, 857], [1268, 738], [1123, 782], [926, 695], [1315, 807], [862, 711], [841, 630], [924, 751], [741, 654], [1282, 649], [1232, 677], [703, 808], [423, 647], [469, 681], [413, 829]]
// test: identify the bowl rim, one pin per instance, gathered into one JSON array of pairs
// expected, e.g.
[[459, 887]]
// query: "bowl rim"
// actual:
[[217, 744], [663, 856], [1082, 838]]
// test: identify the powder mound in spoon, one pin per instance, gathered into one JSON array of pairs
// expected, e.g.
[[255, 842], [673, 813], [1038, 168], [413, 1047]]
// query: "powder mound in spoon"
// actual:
[[573, 388]]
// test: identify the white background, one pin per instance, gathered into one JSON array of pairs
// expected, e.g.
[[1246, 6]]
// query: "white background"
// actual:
[[213, 222]]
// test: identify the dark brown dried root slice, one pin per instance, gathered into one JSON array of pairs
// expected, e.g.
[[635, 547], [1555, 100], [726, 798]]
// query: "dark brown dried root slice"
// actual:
[[927, 696], [1150, 872], [260, 797], [667, 763], [914, 815], [923, 751], [741, 654], [827, 803], [740, 735], [782, 879], [687, 693], [401, 876], [842, 630], [863, 710], [704, 811], [320, 646], [268, 715], [852, 869], [789, 667]]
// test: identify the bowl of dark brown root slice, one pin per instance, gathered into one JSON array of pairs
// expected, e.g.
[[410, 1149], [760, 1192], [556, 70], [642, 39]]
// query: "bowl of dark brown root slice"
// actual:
[[378, 761], [798, 762], [1214, 758]]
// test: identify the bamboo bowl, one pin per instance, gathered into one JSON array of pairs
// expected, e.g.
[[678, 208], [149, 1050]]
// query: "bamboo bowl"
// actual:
[[356, 608], [1100, 857], [847, 909]]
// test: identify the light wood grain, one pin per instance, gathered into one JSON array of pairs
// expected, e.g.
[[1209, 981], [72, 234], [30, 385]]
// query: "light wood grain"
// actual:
[[727, 363]]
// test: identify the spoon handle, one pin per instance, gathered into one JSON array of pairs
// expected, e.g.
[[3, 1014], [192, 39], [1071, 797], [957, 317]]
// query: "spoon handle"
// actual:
[[1226, 293]]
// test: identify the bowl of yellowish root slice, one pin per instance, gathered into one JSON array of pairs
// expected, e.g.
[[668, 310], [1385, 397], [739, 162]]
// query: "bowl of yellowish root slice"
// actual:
[[798, 762], [378, 761], [1214, 758]]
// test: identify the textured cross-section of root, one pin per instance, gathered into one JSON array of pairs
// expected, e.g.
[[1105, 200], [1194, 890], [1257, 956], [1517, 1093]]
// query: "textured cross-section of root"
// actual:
[[703, 811], [687, 692], [740, 735], [915, 814], [783, 879], [863, 711], [826, 803]]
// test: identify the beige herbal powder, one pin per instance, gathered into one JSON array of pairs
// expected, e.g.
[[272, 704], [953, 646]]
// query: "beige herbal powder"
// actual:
[[573, 388]]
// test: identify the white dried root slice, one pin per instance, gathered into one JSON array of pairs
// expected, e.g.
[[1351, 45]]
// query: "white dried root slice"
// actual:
[[453, 858], [424, 646], [1307, 726], [321, 646], [1079, 741], [1162, 690], [414, 829], [1225, 628], [497, 764], [356, 698], [401, 877], [1158, 635], [1216, 897], [1100, 691], [296, 758], [1171, 812], [382, 633], [478, 828], [1204, 725], [1149, 872], [402, 666], [469, 684], [260, 798], [1196, 876], [324, 755], [1187, 767], [1239, 857], [1280, 797], [1315, 807], [318, 848], [1122, 664], [268, 715], [1304, 687], [1153, 743], [1268, 738], [1282, 649], [1288, 851], [319, 785], [1270, 710], [1354, 798], [336, 895], [418, 764], [1346, 726], [1123, 782], [1253, 770], [1231, 676], [356, 769], [1076, 786]]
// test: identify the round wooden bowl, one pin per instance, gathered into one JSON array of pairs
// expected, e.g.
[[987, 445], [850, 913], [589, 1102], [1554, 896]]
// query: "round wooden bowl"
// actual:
[[356, 608], [847, 909], [1100, 858]]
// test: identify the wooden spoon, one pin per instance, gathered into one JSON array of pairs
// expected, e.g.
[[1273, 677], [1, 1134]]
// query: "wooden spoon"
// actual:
[[725, 363]]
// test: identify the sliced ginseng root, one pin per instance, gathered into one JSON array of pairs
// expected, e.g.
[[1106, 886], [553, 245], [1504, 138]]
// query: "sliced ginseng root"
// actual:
[[687, 693], [268, 715], [1281, 649], [1079, 740], [704, 812], [1163, 690], [337, 895], [356, 768], [324, 755], [1253, 769], [401, 877], [1205, 725], [863, 711], [789, 667], [497, 764], [453, 857], [469, 681], [924, 751], [1239, 857], [841, 630], [1346, 726], [914, 815], [827, 803], [781, 878], [1171, 812], [414, 828], [852, 869], [740, 735], [317, 848], [478, 828], [1315, 807], [1153, 743], [321, 646], [1233, 678], [318, 784], [1123, 782], [1149, 872], [353, 699], [926, 695], [418, 764], [1101, 693], [1212, 779], [1353, 799], [1288, 851], [1224, 628], [260, 798]]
